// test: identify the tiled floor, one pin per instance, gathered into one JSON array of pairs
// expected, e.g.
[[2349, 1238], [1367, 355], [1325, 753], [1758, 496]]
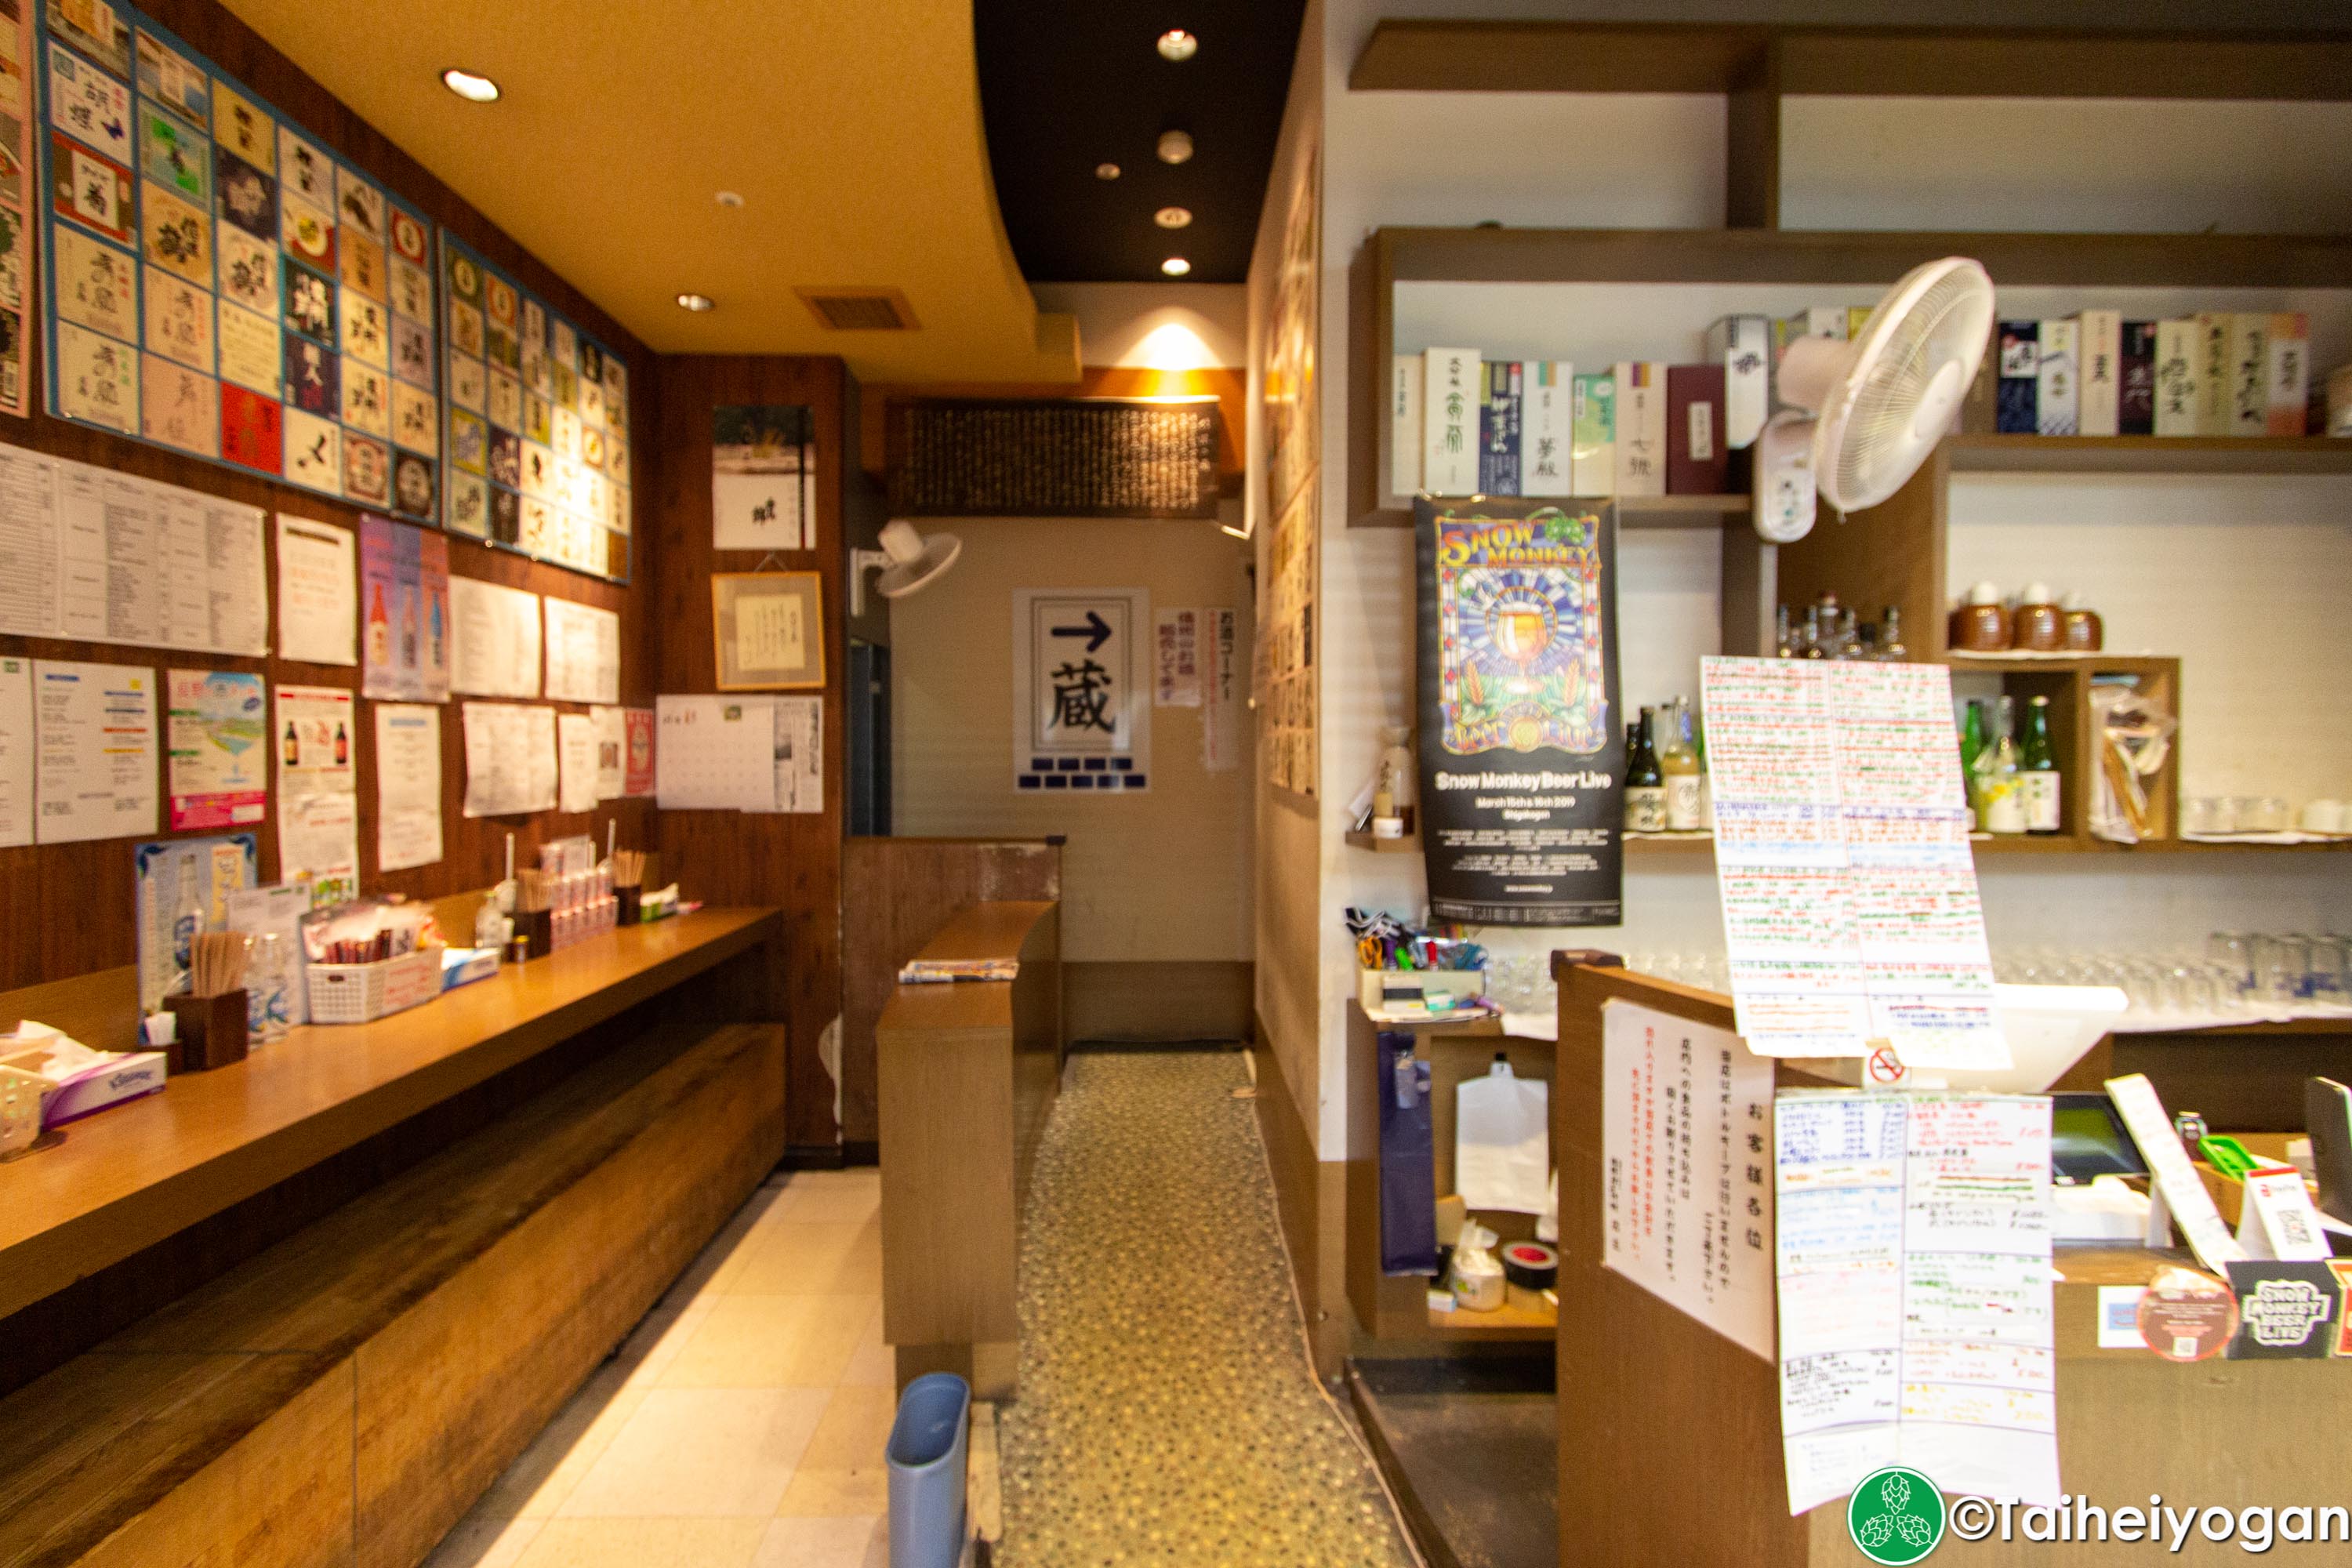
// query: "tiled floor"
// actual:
[[741, 1426]]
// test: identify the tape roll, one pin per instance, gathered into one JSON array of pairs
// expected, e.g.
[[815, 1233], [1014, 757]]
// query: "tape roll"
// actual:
[[1530, 1265]]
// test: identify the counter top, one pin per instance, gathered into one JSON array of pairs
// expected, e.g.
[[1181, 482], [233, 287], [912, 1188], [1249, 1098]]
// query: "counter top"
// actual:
[[1001, 929], [130, 1176]]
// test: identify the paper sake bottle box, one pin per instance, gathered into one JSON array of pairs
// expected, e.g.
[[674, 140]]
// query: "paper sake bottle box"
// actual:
[[2289, 374], [1592, 453], [1404, 427], [1449, 401], [1742, 346], [1546, 426], [2178, 379], [2057, 395], [2250, 373], [1498, 429], [2213, 401], [2099, 373], [1697, 460], [1641, 428], [2017, 393], [2136, 396]]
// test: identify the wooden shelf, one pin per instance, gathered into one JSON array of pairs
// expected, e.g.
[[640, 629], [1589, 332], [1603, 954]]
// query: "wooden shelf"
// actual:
[[1445, 55], [1505, 1323], [1408, 845], [2149, 455], [1632, 511]]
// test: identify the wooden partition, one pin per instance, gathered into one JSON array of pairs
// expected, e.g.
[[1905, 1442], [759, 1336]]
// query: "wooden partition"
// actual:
[[1670, 1433], [896, 894]]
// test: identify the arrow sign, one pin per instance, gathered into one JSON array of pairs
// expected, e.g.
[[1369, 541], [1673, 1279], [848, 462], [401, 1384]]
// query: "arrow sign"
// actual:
[[1096, 631]]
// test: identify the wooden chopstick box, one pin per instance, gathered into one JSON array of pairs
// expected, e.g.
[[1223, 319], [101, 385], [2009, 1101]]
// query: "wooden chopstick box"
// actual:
[[212, 1032]]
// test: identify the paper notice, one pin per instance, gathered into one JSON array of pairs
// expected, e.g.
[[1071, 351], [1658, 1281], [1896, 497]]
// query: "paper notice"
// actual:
[[94, 739], [16, 751], [1221, 695], [584, 653], [319, 837], [494, 640], [510, 762], [575, 751], [1176, 658], [1686, 1211], [638, 772], [404, 612], [318, 591], [218, 742], [407, 786], [2176, 1181], [612, 725], [312, 737]]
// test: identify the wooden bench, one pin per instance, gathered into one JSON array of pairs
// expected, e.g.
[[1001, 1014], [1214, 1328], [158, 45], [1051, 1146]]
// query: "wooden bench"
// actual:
[[346, 1396]]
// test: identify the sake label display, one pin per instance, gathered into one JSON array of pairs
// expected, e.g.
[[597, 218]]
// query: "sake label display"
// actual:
[[1522, 764], [538, 437], [218, 282]]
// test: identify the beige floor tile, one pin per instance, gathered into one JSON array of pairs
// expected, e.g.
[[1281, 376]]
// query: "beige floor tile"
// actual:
[[816, 1542], [772, 1341], [789, 1259], [702, 1453], [484, 1542], [724, 1255], [842, 1470], [645, 1544], [539, 1481], [852, 1199], [871, 1364], [648, 1350]]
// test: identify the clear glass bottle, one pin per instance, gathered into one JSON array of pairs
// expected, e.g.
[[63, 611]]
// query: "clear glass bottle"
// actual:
[[1815, 646], [2003, 791], [1678, 762], [1892, 649], [1392, 793], [1783, 637]]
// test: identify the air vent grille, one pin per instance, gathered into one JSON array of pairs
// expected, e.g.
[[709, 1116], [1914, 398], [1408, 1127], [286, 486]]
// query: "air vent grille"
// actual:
[[859, 310]]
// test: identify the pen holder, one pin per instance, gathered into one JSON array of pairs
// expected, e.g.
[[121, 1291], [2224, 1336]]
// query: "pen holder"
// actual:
[[626, 898], [536, 928], [212, 1031]]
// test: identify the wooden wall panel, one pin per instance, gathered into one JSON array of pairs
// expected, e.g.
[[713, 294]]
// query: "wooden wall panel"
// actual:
[[792, 861], [898, 893], [66, 910]]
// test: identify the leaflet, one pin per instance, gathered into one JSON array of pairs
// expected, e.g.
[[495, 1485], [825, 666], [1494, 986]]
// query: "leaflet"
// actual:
[[318, 591], [94, 738], [575, 751], [16, 751], [511, 762], [1850, 904], [407, 786], [218, 742], [494, 644], [583, 652]]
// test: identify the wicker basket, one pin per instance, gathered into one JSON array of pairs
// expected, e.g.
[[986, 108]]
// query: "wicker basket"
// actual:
[[362, 992]]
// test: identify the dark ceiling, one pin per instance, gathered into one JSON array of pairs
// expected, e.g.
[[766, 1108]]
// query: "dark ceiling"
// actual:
[[1065, 85]]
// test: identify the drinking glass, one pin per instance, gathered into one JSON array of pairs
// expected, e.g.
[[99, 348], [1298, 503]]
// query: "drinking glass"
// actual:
[[2280, 967], [2234, 952], [2322, 975]]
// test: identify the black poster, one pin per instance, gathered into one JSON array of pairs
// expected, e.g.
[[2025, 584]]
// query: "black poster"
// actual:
[[1522, 754]]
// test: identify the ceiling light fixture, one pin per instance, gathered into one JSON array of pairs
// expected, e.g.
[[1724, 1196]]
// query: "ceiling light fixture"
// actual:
[[728, 199], [1106, 170], [1176, 44], [697, 303], [1172, 217], [467, 85], [1175, 146], [1175, 266]]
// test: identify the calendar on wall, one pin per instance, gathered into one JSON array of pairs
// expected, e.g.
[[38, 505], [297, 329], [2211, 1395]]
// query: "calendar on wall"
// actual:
[[221, 284], [538, 437]]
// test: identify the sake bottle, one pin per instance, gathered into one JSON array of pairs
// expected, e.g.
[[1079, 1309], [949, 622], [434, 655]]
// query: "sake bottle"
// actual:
[[1678, 762], [1645, 787]]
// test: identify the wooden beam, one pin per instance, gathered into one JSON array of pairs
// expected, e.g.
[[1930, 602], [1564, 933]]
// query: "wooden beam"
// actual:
[[1553, 57], [1751, 142]]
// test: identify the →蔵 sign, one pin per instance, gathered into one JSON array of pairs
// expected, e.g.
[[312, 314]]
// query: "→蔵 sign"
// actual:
[[1082, 690]]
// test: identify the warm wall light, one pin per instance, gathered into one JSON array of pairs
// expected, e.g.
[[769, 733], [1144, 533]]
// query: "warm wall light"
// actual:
[[697, 303], [472, 89], [1172, 345], [1175, 266], [1176, 44], [728, 199]]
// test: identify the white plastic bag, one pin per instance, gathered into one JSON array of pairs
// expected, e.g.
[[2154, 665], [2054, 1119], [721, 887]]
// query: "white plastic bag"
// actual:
[[1502, 1140]]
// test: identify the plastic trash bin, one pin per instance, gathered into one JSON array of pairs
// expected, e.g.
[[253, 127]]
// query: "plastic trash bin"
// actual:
[[926, 1455]]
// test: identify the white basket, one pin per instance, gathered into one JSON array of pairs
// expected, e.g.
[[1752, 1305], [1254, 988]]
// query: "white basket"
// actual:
[[362, 992]]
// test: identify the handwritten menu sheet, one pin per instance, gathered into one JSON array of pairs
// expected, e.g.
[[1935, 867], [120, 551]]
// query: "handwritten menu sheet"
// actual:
[[219, 283], [1850, 904], [1687, 1212], [1912, 1253]]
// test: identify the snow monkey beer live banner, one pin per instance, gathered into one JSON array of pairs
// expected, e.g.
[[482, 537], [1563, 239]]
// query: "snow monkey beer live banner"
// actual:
[[1521, 759]]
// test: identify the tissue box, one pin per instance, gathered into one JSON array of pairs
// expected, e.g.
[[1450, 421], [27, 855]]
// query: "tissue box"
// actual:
[[86, 1080]]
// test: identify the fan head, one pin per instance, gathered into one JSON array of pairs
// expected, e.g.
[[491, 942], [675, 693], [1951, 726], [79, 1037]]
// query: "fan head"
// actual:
[[915, 562], [1901, 382]]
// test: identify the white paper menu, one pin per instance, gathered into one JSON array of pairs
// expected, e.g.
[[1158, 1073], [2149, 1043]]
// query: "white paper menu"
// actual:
[[318, 591], [510, 764], [1913, 1259], [16, 751], [583, 652], [94, 728], [1849, 905], [493, 640], [407, 786]]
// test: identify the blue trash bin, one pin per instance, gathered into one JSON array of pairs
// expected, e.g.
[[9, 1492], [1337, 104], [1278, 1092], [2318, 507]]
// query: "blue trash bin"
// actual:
[[926, 1455]]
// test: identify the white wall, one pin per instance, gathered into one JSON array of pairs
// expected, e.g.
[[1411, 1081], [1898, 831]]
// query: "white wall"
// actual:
[[1629, 161], [1156, 326]]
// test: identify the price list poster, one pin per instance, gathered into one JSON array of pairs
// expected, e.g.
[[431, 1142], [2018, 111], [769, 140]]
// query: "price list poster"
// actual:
[[1849, 905], [221, 284]]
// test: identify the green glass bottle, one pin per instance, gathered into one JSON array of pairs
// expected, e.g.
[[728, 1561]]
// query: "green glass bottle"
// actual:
[[1972, 748], [1646, 786], [2039, 770]]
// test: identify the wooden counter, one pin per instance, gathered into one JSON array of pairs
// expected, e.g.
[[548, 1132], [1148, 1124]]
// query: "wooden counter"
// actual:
[[128, 1178], [967, 1073]]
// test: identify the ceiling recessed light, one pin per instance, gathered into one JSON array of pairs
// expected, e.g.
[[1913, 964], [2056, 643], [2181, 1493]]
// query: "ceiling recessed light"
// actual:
[[1106, 170], [1175, 266], [472, 89], [697, 303], [1175, 146], [1176, 44], [730, 199], [1172, 217]]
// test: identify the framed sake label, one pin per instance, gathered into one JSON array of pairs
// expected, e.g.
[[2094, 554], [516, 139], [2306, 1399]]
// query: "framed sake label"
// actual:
[[538, 435], [220, 283]]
